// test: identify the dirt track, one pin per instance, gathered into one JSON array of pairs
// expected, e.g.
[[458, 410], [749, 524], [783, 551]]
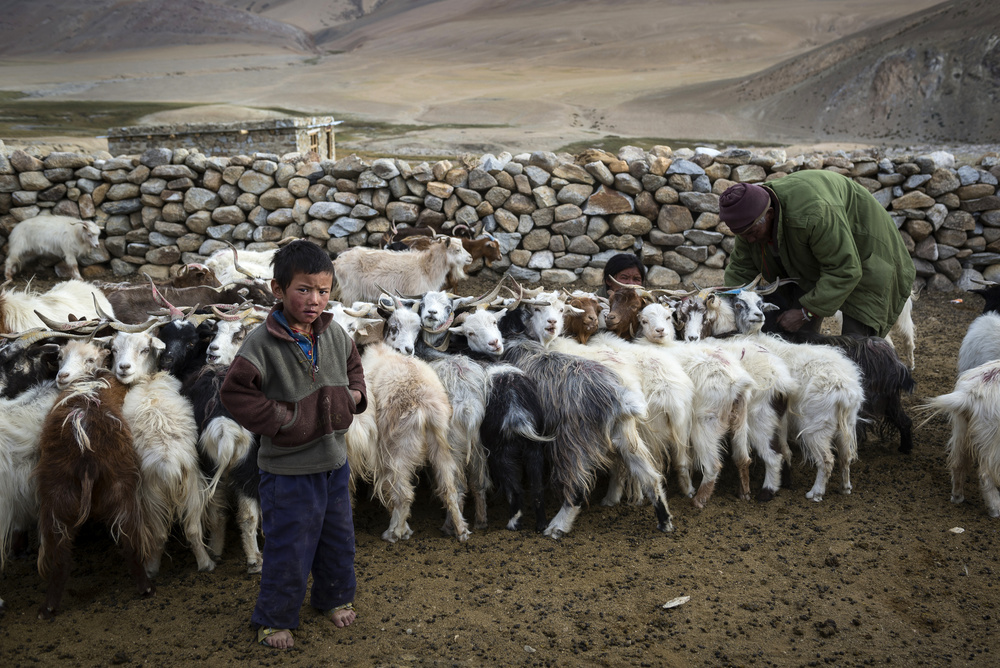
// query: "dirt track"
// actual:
[[867, 579]]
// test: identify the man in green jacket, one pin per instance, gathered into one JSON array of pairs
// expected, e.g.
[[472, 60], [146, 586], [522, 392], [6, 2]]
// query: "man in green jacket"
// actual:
[[829, 233]]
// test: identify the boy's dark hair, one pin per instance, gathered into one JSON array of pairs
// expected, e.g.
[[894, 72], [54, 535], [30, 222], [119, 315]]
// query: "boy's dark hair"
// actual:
[[300, 257]]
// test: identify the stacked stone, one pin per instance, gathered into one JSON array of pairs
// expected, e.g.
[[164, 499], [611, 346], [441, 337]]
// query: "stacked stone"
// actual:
[[558, 217]]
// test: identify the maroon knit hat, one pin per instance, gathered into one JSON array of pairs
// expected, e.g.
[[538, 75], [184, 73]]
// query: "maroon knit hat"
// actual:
[[741, 204]]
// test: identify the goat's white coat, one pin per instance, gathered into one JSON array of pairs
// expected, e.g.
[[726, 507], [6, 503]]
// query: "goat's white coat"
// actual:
[[411, 422], [257, 263], [981, 343], [165, 436], [359, 269], [17, 307], [974, 410], [21, 421], [823, 410], [46, 234]]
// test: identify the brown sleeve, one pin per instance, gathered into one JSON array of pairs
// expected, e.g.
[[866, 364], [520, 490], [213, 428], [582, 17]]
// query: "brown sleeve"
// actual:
[[243, 398], [356, 378]]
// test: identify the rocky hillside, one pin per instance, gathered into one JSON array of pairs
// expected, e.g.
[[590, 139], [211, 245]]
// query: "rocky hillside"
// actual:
[[934, 75], [101, 25]]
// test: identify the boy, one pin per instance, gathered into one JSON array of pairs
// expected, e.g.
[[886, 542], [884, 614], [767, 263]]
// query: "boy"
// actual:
[[296, 382]]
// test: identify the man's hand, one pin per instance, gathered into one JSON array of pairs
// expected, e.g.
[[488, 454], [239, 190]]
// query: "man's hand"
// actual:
[[792, 320]]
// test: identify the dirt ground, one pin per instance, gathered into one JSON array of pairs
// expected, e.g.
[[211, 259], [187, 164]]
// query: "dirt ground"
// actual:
[[877, 577]]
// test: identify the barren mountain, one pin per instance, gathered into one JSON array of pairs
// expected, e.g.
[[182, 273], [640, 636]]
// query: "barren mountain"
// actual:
[[931, 76], [487, 75], [42, 27]]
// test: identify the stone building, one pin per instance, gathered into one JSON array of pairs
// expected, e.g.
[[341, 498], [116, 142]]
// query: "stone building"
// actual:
[[280, 136]]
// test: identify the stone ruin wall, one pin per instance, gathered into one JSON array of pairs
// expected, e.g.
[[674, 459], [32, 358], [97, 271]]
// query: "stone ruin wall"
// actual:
[[558, 217], [221, 139]]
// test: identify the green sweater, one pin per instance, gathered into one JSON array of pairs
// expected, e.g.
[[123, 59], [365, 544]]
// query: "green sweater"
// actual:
[[840, 244], [300, 411]]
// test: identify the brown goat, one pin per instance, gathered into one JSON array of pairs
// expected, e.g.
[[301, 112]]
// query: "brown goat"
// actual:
[[624, 306], [88, 468], [581, 326], [133, 304]]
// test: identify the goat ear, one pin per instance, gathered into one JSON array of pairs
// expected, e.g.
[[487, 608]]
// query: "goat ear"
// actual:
[[158, 345], [767, 306]]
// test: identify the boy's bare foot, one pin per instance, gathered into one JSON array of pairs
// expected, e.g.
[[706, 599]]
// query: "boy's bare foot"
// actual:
[[343, 617], [276, 638]]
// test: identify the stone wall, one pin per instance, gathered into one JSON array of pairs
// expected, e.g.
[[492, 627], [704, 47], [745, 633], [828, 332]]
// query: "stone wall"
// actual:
[[558, 217]]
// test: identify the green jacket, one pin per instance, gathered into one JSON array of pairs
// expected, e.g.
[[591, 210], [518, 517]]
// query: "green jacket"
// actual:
[[300, 410], [840, 244]]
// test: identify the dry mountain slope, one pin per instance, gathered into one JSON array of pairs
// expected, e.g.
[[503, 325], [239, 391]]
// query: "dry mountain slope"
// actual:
[[931, 76], [56, 26]]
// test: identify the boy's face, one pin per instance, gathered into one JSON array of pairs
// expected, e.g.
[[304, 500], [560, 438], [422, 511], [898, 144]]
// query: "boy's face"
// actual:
[[304, 298]]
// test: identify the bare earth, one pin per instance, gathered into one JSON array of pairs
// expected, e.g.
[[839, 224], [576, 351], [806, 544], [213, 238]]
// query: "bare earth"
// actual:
[[867, 579]]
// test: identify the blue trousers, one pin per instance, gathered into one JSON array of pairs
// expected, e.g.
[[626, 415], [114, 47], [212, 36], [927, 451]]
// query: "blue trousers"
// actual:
[[308, 526]]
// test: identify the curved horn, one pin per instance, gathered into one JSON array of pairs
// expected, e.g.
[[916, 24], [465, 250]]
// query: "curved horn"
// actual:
[[65, 326], [359, 313], [162, 301], [132, 329], [231, 316], [100, 312], [479, 301], [236, 263]]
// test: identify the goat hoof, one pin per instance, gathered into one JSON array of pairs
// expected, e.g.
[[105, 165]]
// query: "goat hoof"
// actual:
[[46, 613], [253, 568], [148, 592], [766, 495], [958, 499], [665, 527]]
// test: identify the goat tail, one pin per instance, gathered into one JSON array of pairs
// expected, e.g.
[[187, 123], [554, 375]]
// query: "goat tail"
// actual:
[[847, 421], [86, 497], [225, 443]]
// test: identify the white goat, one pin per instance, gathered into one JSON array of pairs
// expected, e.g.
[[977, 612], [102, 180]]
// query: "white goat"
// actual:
[[360, 272], [466, 384], [824, 408], [255, 263], [165, 437], [21, 422], [981, 343], [412, 423], [974, 410], [62, 236], [17, 308], [721, 395]]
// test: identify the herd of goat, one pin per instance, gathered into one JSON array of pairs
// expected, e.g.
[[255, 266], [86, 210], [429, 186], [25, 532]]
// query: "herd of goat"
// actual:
[[111, 411]]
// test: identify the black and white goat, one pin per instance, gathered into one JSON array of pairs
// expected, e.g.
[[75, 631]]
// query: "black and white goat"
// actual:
[[592, 417]]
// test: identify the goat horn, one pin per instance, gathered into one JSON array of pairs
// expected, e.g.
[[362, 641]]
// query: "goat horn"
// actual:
[[198, 318], [623, 285], [231, 316], [100, 312], [236, 263], [485, 299], [359, 313], [119, 326], [162, 301], [65, 326]]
